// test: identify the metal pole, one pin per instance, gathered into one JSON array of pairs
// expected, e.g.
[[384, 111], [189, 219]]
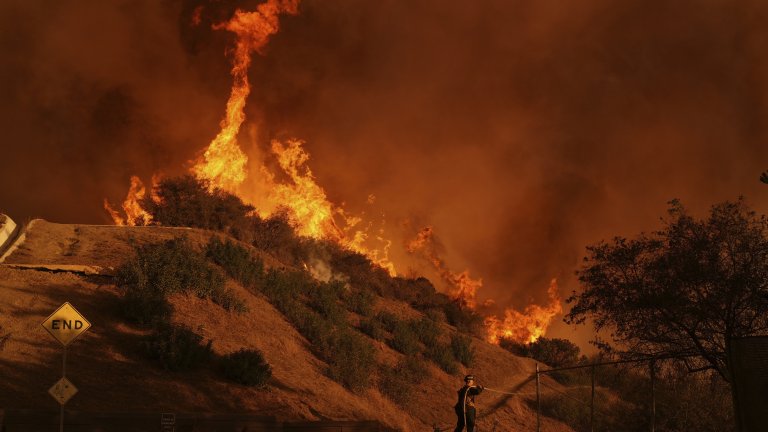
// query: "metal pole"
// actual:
[[64, 375], [653, 395], [592, 403], [538, 401]]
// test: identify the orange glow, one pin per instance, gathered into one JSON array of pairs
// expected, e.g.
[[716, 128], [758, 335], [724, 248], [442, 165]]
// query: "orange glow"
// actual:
[[224, 163], [134, 213], [527, 326], [461, 285]]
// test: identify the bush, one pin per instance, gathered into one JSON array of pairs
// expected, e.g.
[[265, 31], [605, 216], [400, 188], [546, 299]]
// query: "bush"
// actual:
[[324, 298], [404, 339], [227, 299], [246, 367], [553, 352], [426, 330], [442, 356], [388, 320], [463, 318], [283, 287], [436, 315], [351, 360], [462, 349], [277, 236], [145, 307], [176, 347], [165, 268], [373, 328], [360, 301], [236, 261], [190, 202], [169, 267], [397, 383]]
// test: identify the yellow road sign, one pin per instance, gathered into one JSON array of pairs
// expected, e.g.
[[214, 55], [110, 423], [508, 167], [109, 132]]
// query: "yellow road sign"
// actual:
[[66, 323], [63, 391]]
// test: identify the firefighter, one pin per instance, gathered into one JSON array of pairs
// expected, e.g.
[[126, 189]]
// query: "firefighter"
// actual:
[[465, 407]]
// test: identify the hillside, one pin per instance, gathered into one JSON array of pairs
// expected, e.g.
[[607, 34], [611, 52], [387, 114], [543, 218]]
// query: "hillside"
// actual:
[[55, 263]]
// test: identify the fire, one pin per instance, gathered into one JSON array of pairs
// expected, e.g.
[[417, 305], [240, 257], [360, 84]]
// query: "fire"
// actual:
[[134, 212], [462, 286], [225, 166], [527, 326], [523, 327], [224, 163]]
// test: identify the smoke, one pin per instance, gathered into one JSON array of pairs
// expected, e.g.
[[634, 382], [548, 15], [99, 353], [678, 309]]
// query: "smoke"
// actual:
[[520, 130]]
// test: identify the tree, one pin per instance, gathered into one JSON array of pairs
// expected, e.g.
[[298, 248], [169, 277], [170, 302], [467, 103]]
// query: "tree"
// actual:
[[685, 290], [764, 177], [554, 352]]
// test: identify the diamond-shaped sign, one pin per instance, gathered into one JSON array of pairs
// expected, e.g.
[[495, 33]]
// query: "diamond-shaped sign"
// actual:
[[63, 391], [66, 323]]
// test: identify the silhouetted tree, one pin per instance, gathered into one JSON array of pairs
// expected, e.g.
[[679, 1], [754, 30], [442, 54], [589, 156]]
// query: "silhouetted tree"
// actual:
[[685, 290], [190, 202]]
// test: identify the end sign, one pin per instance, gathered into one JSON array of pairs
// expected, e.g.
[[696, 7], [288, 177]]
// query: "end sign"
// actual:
[[66, 323]]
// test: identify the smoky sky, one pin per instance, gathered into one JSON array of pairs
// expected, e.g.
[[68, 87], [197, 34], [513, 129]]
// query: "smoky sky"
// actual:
[[521, 130]]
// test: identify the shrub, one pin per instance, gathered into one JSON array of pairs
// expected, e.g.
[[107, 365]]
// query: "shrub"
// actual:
[[176, 347], [404, 339], [397, 383], [165, 268], [389, 320], [227, 299], [553, 352], [236, 261], [373, 328], [426, 330], [190, 202], [443, 357], [145, 307], [436, 315], [351, 359], [360, 301], [463, 318], [324, 298], [247, 367], [277, 236], [284, 286], [462, 349], [169, 267]]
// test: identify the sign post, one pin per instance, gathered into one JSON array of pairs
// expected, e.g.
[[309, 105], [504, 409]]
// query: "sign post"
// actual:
[[65, 324]]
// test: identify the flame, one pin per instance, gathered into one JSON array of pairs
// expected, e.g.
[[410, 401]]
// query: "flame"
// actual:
[[527, 326], [461, 285], [224, 163], [134, 212]]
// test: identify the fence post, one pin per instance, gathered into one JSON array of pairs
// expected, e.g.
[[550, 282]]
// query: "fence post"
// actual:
[[592, 403], [652, 364], [538, 401]]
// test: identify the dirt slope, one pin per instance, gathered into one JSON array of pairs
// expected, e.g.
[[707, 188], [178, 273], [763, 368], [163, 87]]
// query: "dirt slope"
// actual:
[[104, 364]]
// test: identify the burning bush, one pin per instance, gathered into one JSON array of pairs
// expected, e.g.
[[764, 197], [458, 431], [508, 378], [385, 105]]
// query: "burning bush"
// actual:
[[463, 318], [553, 352], [176, 347], [188, 201], [247, 367]]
